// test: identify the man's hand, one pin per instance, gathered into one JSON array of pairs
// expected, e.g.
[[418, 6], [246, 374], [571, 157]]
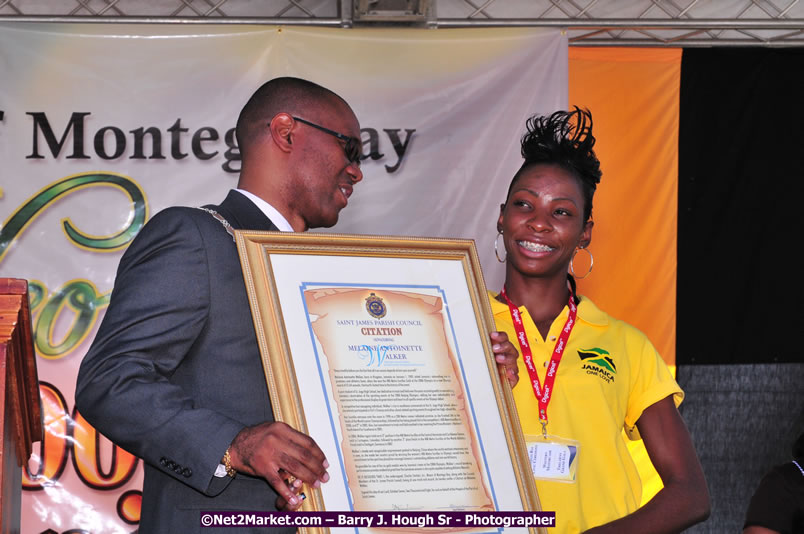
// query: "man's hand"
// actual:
[[275, 451], [295, 486], [505, 353]]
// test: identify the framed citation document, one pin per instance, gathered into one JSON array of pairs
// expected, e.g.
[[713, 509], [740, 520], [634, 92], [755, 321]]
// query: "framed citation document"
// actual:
[[378, 348]]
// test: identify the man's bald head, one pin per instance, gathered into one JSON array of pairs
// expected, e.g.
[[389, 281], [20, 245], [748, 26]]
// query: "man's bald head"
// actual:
[[290, 95]]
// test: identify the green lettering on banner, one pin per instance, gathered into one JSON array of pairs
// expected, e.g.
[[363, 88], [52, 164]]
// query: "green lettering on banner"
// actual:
[[36, 294], [83, 299], [20, 219], [79, 296]]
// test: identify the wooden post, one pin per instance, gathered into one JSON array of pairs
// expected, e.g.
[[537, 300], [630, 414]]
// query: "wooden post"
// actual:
[[19, 397]]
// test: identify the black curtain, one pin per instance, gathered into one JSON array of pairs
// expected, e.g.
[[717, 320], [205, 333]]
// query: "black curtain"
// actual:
[[741, 166]]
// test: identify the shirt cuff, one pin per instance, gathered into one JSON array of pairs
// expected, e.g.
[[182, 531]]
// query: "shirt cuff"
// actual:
[[220, 471]]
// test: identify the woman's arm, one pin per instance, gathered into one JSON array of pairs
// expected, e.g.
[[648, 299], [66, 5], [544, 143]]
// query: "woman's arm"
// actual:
[[684, 500]]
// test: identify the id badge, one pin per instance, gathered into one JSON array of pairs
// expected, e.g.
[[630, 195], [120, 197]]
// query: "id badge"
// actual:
[[553, 458]]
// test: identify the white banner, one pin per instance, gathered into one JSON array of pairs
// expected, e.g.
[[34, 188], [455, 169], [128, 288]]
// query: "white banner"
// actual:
[[103, 126]]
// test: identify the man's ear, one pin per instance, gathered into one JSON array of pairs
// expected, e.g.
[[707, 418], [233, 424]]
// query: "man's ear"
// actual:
[[281, 128]]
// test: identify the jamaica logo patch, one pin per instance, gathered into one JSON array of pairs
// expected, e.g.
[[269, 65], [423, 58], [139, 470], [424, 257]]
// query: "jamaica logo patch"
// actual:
[[598, 362]]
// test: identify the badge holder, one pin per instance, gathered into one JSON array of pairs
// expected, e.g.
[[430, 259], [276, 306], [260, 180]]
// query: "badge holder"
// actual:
[[552, 457]]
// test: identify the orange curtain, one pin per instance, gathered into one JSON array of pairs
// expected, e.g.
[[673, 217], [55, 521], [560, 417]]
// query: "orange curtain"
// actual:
[[633, 95]]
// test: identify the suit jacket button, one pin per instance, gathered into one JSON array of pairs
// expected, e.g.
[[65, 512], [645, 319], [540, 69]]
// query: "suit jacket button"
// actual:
[[187, 472], [163, 461]]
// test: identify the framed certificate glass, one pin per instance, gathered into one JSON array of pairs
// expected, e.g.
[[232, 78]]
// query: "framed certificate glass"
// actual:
[[378, 348]]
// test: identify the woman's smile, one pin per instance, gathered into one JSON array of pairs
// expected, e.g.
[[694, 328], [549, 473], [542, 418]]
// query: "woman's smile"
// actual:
[[542, 221]]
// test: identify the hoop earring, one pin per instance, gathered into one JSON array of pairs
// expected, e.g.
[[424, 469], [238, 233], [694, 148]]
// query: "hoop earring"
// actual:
[[591, 263], [496, 251]]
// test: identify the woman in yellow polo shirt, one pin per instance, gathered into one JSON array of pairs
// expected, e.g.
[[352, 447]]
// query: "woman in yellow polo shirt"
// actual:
[[589, 375]]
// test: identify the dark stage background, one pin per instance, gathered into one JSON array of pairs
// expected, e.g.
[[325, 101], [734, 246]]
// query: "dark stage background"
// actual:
[[741, 148]]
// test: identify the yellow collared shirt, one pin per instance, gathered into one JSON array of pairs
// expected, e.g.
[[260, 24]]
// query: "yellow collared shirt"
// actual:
[[609, 374]]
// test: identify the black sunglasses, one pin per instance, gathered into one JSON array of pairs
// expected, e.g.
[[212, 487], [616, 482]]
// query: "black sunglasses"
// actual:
[[352, 147]]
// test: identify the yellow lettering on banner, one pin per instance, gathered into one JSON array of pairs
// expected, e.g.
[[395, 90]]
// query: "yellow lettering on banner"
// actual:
[[52, 455], [129, 506], [65, 435], [86, 458]]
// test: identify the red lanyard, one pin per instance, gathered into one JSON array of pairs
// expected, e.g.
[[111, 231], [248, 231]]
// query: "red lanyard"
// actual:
[[543, 395]]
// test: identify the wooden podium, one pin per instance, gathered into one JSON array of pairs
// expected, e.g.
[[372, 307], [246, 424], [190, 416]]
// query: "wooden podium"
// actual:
[[19, 397]]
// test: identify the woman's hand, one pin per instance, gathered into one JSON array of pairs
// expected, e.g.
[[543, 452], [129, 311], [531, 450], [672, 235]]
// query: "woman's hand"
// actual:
[[505, 354]]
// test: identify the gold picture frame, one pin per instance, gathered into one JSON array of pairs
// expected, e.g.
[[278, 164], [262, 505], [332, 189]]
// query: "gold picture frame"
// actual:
[[326, 343]]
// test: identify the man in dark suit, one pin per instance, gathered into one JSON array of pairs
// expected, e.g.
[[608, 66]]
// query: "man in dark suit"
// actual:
[[174, 374]]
